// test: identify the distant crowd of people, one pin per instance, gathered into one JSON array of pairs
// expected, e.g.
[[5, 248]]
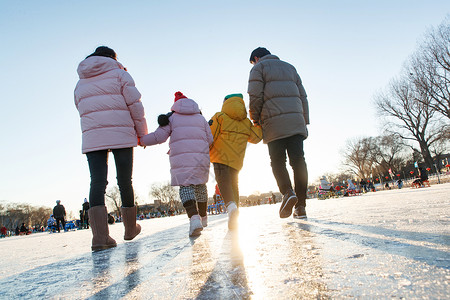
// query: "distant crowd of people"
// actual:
[[367, 185], [20, 230]]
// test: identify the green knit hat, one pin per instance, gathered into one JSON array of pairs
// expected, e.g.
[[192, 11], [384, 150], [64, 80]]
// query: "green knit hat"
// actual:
[[233, 95]]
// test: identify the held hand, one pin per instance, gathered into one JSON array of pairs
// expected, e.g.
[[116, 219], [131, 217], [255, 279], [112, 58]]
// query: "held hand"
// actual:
[[140, 143]]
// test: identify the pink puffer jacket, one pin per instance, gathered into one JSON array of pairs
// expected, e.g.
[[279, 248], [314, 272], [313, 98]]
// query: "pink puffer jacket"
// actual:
[[110, 107], [190, 138]]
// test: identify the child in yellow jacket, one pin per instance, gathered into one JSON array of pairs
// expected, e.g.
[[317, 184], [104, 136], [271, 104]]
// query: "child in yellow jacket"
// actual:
[[231, 131]]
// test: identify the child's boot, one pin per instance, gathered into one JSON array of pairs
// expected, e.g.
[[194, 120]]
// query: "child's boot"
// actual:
[[202, 211], [195, 225], [205, 221], [233, 214]]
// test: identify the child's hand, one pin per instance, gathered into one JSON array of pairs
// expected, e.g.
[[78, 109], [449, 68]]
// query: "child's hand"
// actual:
[[140, 143]]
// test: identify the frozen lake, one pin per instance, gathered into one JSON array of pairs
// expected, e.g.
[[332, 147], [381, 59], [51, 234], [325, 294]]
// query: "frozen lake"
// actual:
[[389, 244]]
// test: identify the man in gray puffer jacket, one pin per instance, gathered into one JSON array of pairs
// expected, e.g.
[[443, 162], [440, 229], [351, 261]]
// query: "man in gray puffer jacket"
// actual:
[[279, 104]]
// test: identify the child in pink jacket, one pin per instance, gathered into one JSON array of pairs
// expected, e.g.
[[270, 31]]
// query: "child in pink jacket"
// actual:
[[190, 137]]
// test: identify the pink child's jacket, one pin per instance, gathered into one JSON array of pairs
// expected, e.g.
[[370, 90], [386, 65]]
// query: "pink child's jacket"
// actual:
[[190, 138], [110, 107]]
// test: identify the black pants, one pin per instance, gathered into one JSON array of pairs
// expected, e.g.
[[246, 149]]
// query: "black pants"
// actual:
[[293, 145], [98, 167], [62, 221], [228, 181]]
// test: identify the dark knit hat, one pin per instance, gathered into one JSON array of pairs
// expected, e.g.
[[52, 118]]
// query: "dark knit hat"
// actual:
[[178, 96], [104, 51], [259, 52]]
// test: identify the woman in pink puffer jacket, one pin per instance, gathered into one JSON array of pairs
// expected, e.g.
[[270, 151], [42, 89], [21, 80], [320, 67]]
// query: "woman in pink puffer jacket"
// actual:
[[190, 137], [112, 119]]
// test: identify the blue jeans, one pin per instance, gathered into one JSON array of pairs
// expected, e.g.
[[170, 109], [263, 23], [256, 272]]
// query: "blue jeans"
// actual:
[[98, 167], [293, 146]]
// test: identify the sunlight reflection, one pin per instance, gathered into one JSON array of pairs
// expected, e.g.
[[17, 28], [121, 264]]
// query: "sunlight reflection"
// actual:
[[101, 277], [248, 237]]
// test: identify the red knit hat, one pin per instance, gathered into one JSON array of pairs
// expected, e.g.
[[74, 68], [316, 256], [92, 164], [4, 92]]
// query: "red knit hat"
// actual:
[[178, 96]]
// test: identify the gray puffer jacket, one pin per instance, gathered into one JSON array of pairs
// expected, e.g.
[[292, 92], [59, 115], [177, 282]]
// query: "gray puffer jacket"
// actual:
[[277, 99]]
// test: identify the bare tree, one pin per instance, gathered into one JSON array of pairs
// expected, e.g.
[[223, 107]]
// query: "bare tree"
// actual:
[[137, 200], [339, 178], [358, 156], [2, 213], [429, 68], [18, 213], [40, 215], [442, 145], [13, 214], [113, 200], [390, 153], [409, 118], [166, 193], [254, 197]]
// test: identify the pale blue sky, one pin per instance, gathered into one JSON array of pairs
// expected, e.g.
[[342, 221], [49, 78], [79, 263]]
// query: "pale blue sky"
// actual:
[[345, 51]]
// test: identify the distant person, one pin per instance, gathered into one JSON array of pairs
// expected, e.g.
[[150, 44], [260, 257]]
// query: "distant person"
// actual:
[[231, 130], [23, 229], [190, 138], [278, 103], [80, 223], [112, 120], [417, 182], [85, 213], [51, 224], [363, 185], [423, 176], [217, 195], [3, 231], [387, 186], [371, 186], [274, 198], [59, 213], [399, 183], [17, 230]]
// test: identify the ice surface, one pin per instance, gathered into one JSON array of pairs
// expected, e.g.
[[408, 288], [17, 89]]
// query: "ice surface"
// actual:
[[389, 244]]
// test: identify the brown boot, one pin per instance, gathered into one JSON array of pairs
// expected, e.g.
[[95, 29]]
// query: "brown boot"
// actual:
[[98, 219], [129, 221]]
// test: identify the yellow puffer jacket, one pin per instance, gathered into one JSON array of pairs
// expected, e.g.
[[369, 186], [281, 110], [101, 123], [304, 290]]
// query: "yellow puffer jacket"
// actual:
[[232, 130]]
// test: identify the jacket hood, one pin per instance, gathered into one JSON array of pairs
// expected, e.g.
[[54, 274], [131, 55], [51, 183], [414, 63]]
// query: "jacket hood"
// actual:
[[96, 65], [186, 106], [267, 57], [234, 107]]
